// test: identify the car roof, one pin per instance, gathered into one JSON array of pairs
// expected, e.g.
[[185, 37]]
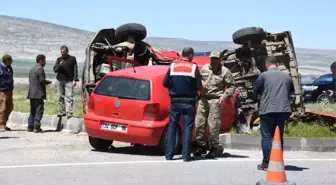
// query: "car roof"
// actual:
[[143, 72], [329, 74], [325, 75], [149, 72], [322, 76]]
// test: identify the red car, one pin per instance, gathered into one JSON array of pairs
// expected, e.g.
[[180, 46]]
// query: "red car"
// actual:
[[131, 105], [124, 99]]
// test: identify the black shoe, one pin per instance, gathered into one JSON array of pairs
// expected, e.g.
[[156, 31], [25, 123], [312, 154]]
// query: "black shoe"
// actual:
[[7, 128], [188, 159], [38, 130], [211, 155], [61, 115], [262, 167], [30, 129], [219, 149], [200, 151]]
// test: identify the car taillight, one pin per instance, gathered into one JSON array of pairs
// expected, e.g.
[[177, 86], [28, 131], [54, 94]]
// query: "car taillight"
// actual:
[[91, 103], [151, 111]]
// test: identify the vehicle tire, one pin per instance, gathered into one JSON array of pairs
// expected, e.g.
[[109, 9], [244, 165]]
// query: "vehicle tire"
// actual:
[[324, 99], [137, 31], [254, 34], [162, 144], [100, 144]]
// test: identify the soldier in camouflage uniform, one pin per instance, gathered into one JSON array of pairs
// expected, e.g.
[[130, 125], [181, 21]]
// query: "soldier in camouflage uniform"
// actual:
[[215, 78]]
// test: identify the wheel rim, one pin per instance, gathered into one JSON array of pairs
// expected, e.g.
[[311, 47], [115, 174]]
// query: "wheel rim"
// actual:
[[323, 100]]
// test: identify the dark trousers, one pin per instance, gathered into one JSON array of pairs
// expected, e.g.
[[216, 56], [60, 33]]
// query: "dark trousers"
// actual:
[[268, 124], [188, 112], [36, 113]]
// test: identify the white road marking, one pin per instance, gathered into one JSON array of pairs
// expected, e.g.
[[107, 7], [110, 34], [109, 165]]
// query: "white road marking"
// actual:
[[150, 162]]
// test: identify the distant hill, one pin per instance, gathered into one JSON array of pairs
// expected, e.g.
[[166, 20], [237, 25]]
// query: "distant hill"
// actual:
[[25, 38]]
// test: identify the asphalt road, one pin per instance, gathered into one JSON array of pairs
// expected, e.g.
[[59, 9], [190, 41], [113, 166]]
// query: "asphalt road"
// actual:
[[67, 159]]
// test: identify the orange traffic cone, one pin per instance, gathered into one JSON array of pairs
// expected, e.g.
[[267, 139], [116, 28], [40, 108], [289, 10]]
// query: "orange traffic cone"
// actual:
[[276, 170]]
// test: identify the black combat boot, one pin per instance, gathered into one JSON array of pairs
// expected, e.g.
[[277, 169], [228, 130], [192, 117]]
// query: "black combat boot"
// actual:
[[214, 152], [211, 154], [200, 150]]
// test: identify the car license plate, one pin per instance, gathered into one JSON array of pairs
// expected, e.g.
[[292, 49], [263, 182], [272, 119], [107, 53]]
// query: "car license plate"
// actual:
[[113, 126]]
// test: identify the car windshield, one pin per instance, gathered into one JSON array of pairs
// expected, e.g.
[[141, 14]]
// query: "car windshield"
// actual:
[[128, 88], [117, 65], [308, 78]]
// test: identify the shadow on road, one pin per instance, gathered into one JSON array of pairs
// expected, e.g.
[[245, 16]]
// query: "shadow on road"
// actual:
[[17, 130], [46, 131], [228, 155], [9, 137], [132, 150], [224, 155], [25, 130], [150, 151], [294, 168]]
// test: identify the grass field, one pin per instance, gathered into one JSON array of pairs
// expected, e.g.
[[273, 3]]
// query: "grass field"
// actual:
[[21, 68], [21, 103], [300, 129], [324, 108]]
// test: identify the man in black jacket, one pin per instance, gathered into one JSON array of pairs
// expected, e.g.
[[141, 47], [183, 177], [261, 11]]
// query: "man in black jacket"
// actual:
[[67, 77], [37, 94], [275, 89], [6, 91]]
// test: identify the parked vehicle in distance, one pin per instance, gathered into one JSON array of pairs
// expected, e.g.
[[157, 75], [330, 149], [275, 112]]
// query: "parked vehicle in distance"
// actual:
[[317, 91], [131, 105]]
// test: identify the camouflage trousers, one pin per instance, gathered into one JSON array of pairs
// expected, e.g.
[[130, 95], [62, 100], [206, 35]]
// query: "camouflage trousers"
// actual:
[[208, 116]]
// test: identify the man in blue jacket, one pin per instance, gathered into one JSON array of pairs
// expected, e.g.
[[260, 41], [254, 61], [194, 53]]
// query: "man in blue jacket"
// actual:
[[6, 91], [183, 80]]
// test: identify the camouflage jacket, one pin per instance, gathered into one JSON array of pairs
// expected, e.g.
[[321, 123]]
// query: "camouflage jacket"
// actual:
[[214, 84]]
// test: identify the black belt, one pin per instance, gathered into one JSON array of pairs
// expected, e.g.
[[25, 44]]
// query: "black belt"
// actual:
[[182, 100], [209, 97]]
